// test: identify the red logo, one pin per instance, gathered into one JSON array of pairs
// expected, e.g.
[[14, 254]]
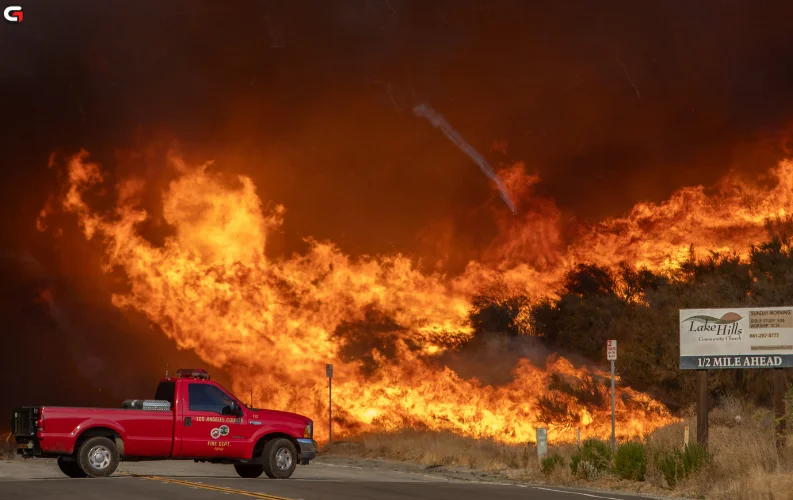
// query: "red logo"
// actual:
[[13, 14]]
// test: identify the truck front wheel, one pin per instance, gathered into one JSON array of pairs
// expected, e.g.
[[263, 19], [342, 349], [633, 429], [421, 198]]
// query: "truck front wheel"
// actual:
[[98, 457], [279, 458], [70, 467], [248, 470]]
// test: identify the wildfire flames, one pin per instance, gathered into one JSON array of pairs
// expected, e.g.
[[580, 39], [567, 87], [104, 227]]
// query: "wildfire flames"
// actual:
[[274, 323]]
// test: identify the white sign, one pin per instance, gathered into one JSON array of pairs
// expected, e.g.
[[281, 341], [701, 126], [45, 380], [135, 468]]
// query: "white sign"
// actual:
[[542, 443], [611, 350], [759, 337]]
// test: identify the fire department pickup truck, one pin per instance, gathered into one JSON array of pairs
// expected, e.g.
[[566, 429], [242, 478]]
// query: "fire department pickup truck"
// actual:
[[190, 418]]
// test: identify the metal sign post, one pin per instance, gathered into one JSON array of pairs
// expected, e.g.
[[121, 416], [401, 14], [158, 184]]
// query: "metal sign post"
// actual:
[[329, 373], [611, 354]]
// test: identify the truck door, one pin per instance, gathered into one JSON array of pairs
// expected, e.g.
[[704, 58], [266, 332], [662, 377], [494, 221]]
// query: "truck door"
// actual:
[[208, 427]]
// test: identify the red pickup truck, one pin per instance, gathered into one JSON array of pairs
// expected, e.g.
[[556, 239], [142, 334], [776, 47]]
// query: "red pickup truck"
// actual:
[[190, 418]]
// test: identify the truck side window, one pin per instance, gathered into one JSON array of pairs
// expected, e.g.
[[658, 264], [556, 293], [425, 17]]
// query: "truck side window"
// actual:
[[165, 392], [203, 397]]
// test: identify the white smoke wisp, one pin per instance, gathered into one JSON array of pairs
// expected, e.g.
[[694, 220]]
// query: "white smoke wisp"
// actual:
[[438, 121]]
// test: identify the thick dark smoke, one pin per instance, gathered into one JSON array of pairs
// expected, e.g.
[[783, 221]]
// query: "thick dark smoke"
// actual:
[[610, 103]]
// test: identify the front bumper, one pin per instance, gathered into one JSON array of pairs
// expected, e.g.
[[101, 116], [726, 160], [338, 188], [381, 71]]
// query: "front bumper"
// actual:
[[308, 450]]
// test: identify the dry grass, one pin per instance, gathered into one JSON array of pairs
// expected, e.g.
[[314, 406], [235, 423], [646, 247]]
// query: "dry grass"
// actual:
[[744, 461], [7, 449], [441, 448]]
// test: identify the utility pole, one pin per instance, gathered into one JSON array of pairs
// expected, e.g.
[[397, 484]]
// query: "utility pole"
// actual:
[[611, 354], [329, 373]]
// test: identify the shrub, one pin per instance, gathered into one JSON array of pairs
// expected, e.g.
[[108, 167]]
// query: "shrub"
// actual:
[[593, 457], [630, 461], [677, 464], [550, 463], [669, 466], [694, 457], [575, 463]]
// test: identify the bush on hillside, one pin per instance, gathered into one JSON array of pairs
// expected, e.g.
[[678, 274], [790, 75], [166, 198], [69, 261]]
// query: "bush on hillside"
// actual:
[[677, 464], [592, 459], [551, 463], [630, 461]]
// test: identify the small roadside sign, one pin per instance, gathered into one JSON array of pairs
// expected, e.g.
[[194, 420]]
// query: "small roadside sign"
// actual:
[[542, 443], [329, 370], [611, 350]]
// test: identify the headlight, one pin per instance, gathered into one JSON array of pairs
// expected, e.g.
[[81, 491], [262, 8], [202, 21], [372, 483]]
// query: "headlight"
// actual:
[[308, 432]]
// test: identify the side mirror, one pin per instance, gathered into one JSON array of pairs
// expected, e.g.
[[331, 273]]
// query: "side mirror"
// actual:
[[235, 409]]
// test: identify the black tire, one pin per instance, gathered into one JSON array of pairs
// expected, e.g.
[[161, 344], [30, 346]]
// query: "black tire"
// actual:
[[70, 467], [279, 458], [250, 471], [98, 457]]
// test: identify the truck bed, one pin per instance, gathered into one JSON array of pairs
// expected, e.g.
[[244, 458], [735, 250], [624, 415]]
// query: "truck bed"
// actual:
[[144, 432]]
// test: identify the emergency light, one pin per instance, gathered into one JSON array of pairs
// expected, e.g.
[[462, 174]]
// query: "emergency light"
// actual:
[[199, 373]]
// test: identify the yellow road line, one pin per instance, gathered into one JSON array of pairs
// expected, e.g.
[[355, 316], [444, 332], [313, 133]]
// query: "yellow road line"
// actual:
[[222, 489]]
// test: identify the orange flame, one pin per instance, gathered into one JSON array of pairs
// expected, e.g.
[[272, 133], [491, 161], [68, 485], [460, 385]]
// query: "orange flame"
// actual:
[[271, 323]]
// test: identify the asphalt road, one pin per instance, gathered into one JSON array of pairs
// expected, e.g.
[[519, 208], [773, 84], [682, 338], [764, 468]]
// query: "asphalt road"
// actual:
[[41, 479]]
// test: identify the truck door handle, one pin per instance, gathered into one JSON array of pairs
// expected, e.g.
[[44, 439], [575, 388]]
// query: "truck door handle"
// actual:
[[188, 421]]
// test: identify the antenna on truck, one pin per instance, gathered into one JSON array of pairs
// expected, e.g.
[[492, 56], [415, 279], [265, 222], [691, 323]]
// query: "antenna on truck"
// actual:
[[166, 369]]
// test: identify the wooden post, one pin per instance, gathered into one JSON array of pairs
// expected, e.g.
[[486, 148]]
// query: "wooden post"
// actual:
[[703, 404], [780, 386]]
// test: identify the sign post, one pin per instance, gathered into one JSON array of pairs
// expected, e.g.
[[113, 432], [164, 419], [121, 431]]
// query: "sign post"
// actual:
[[780, 387], [611, 354], [703, 406], [329, 373], [756, 337]]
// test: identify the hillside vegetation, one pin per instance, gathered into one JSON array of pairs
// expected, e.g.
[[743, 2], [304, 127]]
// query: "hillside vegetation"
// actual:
[[640, 309]]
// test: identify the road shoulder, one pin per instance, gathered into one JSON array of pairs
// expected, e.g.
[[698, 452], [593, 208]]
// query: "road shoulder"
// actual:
[[506, 476]]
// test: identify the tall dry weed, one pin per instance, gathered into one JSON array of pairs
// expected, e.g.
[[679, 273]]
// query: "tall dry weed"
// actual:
[[7, 446]]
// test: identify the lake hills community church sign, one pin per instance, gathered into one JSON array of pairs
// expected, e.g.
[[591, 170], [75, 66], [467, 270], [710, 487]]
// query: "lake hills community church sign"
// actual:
[[759, 337]]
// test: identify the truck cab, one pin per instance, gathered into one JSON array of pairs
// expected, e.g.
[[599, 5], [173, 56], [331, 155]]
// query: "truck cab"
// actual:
[[190, 418]]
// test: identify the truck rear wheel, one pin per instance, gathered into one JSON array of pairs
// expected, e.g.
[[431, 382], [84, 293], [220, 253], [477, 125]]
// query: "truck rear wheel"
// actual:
[[249, 470], [70, 467], [279, 458], [98, 457]]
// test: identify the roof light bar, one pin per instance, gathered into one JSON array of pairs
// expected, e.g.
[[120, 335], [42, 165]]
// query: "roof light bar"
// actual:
[[199, 373]]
